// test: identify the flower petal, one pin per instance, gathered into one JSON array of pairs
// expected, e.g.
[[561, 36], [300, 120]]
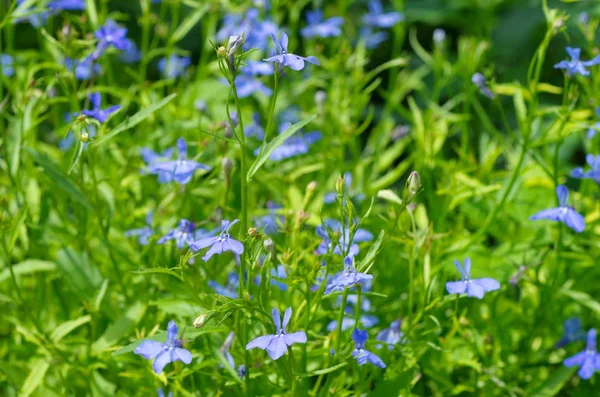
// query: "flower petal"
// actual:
[[203, 243], [149, 349], [488, 284], [277, 347], [161, 361], [574, 220], [182, 355], [295, 337], [262, 342], [456, 287], [474, 290]]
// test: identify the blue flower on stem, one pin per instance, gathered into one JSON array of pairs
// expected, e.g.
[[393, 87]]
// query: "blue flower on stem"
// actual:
[[594, 173], [588, 360], [392, 335], [277, 275], [222, 243], [164, 353], [183, 234], [150, 157], [131, 53], [371, 38], [349, 277], [180, 170], [321, 28], [593, 130], [276, 345], [563, 213], [110, 34], [359, 196], [573, 332], [284, 58], [173, 66], [231, 289], [143, 233], [98, 113], [36, 19], [71, 5], [479, 81], [377, 18], [6, 65], [360, 353], [575, 65], [162, 394], [474, 288]]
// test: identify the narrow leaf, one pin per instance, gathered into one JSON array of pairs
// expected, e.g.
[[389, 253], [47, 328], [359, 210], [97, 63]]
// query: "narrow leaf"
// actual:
[[367, 262], [163, 270], [120, 328], [66, 328], [188, 23], [28, 266], [35, 377], [554, 383]]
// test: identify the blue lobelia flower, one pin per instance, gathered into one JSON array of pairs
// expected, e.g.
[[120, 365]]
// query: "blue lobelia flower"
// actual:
[[349, 277], [180, 170], [162, 394], [474, 288], [6, 65], [593, 130], [231, 289], [377, 18], [479, 81], [361, 235], [563, 213], [255, 129], [35, 19], [360, 353], [143, 233], [183, 234], [573, 332], [150, 157], [164, 353], [317, 27], [277, 275], [110, 34], [219, 244], [371, 38], [271, 222], [84, 69], [225, 349], [255, 30], [173, 66], [392, 335], [284, 58], [359, 196], [296, 145], [98, 113], [575, 65], [131, 53], [71, 5], [349, 319], [276, 345], [588, 360], [594, 173]]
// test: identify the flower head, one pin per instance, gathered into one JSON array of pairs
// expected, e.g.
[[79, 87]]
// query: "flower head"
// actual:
[[173, 66], [349, 277], [6, 65], [84, 69], [72, 5], [317, 27], [143, 233], [588, 360], [150, 157], [594, 173], [344, 244], [360, 353], [284, 58], [377, 18], [295, 145], [183, 234], [110, 34], [479, 81], [573, 332], [98, 113], [36, 19], [563, 213], [180, 170], [218, 245], [575, 65], [276, 345], [164, 353], [474, 288], [392, 335]]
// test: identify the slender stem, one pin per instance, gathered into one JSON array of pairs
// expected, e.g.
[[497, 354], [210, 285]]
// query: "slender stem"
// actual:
[[273, 102], [357, 308]]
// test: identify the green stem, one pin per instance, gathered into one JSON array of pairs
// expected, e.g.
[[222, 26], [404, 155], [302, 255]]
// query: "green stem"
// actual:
[[357, 308], [272, 109]]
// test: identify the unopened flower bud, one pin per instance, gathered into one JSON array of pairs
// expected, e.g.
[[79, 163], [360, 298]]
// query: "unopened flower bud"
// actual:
[[312, 186], [226, 165], [222, 51], [246, 295], [269, 245], [253, 232], [413, 184], [200, 321], [84, 136], [439, 36], [558, 24], [65, 32], [234, 44], [339, 185]]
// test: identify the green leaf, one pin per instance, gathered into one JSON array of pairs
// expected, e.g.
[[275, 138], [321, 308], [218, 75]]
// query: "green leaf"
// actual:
[[389, 195], [268, 149], [135, 119], [188, 23], [554, 383], [82, 275], [76, 155], [35, 377], [90, 7], [120, 328], [28, 266], [582, 298], [324, 371], [367, 262], [66, 328], [61, 180], [163, 270]]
